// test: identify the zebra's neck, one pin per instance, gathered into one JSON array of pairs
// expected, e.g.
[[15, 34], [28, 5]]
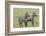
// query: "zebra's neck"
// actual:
[[32, 16]]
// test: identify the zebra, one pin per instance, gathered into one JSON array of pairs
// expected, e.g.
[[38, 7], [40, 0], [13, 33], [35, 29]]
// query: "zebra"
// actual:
[[26, 18]]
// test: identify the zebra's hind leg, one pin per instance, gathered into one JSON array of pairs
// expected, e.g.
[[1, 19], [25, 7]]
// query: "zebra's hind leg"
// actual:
[[26, 24], [20, 24]]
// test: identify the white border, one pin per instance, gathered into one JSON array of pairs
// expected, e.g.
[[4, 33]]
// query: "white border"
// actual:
[[25, 29]]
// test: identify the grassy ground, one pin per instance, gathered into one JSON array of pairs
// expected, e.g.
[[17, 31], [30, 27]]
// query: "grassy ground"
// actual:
[[21, 12]]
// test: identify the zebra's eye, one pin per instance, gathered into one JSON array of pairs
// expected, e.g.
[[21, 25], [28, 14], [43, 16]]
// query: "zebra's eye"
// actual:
[[28, 15]]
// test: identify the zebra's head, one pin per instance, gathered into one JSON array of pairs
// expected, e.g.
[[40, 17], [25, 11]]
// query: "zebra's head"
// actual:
[[34, 14], [29, 16]]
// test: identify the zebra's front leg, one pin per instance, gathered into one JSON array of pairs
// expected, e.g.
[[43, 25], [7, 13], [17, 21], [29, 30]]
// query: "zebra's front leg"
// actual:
[[22, 25], [19, 24], [25, 24], [33, 23]]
